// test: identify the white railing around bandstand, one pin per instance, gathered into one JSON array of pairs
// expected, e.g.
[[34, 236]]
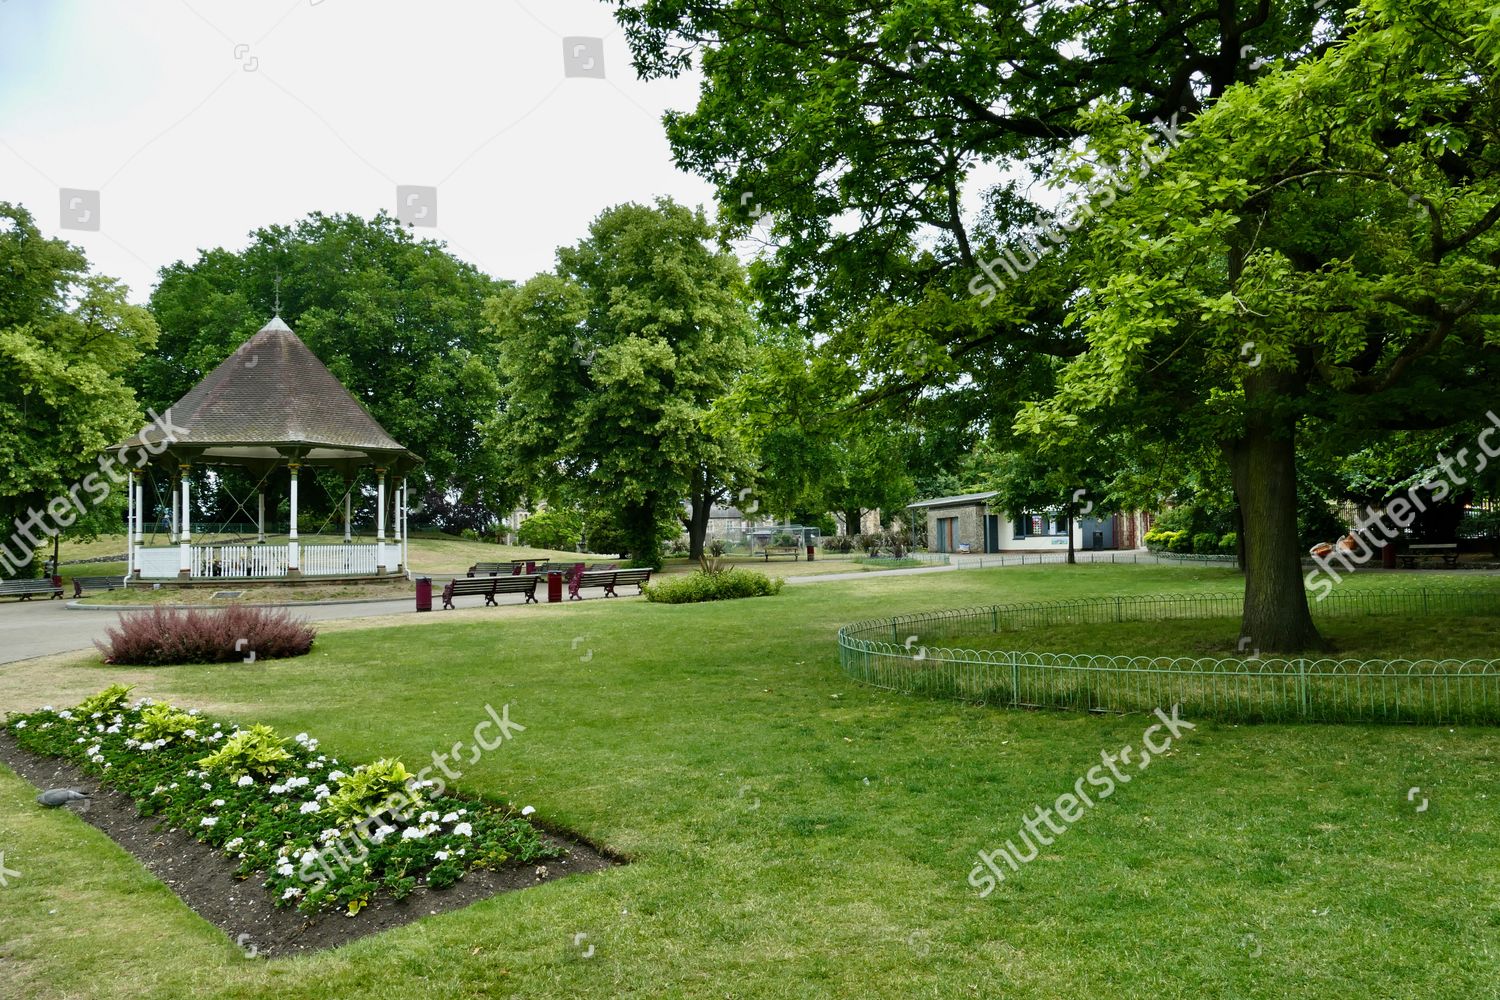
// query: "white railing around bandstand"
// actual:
[[245, 561], [338, 560], [258, 562]]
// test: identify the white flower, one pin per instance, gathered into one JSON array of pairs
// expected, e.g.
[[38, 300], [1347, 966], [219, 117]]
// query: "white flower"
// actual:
[[285, 868], [291, 893], [297, 782], [209, 821], [381, 833], [21, 724], [191, 734], [321, 792], [450, 818], [300, 737], [464, 830], [172, 785], [427, 817], [132, 743], [46, 708], [311, 807], [412, 833], [207, 786], [216, 803], [236, 842], [308, 856], [65, 714], [277, 789], [528, 810], [245, 781], [113, 729], [336, 775], [441, 855], [332, 833], [192, 711]]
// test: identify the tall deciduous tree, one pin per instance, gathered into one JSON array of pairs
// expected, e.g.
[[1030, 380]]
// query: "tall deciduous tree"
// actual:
[[66, 338], [1289, 211], [611, 365], [397, 320]]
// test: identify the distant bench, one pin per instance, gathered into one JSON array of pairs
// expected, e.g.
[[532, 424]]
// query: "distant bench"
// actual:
[[1448, 551], [489, 586], [782, 550], [609, 579], [27, 589], [82, 583]]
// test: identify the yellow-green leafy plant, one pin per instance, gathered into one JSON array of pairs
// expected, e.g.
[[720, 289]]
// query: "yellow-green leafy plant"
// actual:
[[162, 722], [374, 787], [256, 751], [111, 699]]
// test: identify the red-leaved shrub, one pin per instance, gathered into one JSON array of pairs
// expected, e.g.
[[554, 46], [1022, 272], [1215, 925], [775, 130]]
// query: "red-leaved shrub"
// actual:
[[166, 635]]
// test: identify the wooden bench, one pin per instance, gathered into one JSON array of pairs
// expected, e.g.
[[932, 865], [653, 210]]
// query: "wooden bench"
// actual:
[[488, 568], [27, 589], [1448, 550], [489, 586], [607, 577], [782, 550], [82, 583]]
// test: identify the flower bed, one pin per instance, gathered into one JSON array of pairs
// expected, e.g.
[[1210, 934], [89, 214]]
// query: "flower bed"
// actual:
[[322, 835]]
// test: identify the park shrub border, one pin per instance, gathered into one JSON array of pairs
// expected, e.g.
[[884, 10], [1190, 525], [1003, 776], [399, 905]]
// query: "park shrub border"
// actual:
[[916, 654]]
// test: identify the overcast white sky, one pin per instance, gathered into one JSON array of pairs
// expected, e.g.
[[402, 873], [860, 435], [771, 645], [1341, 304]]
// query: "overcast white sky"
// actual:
[[199, 120]]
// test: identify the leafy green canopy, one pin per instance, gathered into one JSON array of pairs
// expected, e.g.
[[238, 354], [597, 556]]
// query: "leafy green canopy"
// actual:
[[610, 366], [66, 338], [1286, 219], [397, 320]]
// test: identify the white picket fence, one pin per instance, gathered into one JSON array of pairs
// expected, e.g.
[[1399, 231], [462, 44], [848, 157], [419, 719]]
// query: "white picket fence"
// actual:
[[259, 562], [339, 560]]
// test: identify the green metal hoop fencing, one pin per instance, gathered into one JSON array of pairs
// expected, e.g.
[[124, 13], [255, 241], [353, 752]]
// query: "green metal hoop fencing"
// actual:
[[917, 654]]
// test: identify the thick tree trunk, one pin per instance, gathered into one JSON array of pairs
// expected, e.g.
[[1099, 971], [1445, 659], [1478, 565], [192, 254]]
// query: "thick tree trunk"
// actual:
[[852, 518], [1264, 469], [1072, 557], [702, 502], [1239, 535]]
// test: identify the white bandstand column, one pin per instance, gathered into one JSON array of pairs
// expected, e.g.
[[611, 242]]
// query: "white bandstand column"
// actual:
[[260, 517], [402, 523], [140, 512], [185, 540], [380, 521], [132, 558], [348, 494], [176, 512], [293, 562]]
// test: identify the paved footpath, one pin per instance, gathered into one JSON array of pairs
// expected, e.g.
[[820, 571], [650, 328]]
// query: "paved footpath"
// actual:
[[40, 628]]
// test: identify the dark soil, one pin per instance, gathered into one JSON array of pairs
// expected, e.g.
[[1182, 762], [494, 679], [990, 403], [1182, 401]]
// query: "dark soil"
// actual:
[[205, 878]]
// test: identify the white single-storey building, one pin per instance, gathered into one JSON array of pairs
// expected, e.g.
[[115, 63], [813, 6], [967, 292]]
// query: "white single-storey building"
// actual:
[[967, 523]]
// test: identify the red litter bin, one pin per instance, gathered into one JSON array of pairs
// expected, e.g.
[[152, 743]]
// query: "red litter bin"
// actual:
[[554, 587], [424, 593], [809, 553]]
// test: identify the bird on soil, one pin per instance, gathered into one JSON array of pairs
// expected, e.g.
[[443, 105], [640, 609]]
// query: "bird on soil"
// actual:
[[54, 797]]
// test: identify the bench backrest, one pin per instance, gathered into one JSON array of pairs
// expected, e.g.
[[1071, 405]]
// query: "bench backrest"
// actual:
[[515, 584], [632, 576], [474, 585]]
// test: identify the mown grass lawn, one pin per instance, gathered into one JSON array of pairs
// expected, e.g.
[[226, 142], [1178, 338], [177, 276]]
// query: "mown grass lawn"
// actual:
[[795, 835]]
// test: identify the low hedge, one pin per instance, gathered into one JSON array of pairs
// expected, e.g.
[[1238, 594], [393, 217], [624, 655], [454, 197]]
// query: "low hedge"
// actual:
[[164, 636], [700, 586]]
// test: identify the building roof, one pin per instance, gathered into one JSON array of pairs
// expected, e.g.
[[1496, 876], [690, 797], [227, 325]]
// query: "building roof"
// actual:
[[272, 398], [956, 501]]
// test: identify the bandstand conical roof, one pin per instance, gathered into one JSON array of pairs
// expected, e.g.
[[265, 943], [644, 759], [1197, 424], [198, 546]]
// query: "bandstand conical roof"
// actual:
[[271, 399]]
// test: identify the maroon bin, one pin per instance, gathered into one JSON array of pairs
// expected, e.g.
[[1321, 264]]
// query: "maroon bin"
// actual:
[[554, 587], [424, 594]]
